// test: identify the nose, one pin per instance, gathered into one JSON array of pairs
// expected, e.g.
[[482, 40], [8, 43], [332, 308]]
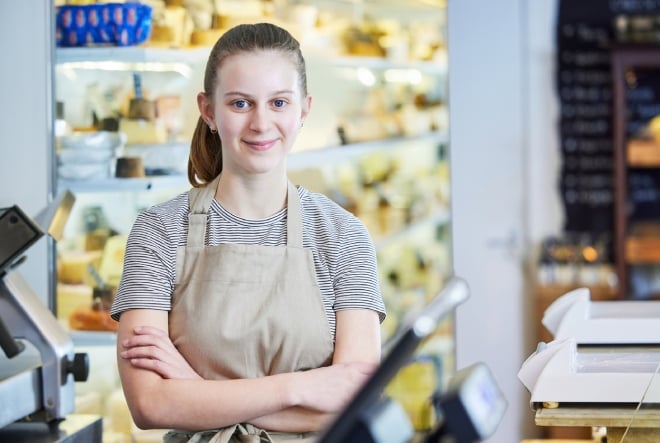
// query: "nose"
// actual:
[[259, 119]]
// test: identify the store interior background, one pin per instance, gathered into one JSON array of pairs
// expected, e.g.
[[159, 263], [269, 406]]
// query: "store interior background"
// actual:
[[504, 167]]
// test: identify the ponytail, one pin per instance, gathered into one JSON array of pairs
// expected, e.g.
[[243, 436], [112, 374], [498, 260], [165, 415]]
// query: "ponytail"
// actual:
[[205, 159]]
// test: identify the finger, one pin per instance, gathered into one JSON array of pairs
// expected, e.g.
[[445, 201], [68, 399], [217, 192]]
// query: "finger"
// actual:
[[150, 330], [141, 340], [164, 368], [151, 352], [148, 340]]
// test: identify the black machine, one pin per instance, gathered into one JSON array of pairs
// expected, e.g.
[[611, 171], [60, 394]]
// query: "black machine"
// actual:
[[38, 366], [469, 410]]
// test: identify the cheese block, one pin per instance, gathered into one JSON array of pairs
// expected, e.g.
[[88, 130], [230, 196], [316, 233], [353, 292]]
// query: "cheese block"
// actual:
[[140, 108], [71, 297], [205, 37], [112, 261], [140, 131], [72, 267], [162, 35]]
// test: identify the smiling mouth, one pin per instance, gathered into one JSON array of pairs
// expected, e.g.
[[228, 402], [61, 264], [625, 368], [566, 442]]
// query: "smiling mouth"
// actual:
[[260, 145]]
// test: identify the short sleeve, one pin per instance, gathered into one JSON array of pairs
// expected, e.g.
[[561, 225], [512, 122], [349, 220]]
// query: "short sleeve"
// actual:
[[147, 279], [356, 283]]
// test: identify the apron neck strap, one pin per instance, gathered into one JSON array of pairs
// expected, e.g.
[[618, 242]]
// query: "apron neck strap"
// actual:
[[200, 201], [293, 217]]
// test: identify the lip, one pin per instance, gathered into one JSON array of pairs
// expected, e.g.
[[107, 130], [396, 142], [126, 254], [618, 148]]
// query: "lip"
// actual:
[[260, 145]]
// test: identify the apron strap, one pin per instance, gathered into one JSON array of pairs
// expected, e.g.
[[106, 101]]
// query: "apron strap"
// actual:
[[293, 218], [199, 200]]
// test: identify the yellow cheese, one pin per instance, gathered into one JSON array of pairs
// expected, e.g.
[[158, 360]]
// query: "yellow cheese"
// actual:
[[73, 267], [143, 131], [205, 37], [112, 261], [70, 297]]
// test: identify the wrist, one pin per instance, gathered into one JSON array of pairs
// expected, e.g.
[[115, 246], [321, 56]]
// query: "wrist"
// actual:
[[290, 394]]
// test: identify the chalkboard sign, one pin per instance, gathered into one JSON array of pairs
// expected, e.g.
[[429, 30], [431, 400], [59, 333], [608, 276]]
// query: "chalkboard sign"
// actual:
[[586, 31]]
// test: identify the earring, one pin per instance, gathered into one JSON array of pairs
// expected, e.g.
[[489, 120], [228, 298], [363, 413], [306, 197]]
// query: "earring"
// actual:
[[213, 131]]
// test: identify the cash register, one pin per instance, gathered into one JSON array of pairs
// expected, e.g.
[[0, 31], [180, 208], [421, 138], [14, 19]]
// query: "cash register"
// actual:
[[38, 365]]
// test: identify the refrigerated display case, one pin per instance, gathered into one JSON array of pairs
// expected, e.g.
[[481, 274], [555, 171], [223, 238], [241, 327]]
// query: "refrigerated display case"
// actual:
[[376, 141]]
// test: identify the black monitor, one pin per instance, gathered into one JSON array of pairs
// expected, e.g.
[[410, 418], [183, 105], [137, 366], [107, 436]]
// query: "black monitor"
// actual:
[[399, 352]]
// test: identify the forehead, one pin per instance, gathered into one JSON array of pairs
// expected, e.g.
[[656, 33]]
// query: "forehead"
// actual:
[[261, 66]]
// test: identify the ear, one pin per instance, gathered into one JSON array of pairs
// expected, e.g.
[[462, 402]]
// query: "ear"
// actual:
[[205, 107], [306, 107]]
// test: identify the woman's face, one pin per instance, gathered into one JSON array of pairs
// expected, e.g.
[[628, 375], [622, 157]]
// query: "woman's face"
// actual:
[[258, 109]]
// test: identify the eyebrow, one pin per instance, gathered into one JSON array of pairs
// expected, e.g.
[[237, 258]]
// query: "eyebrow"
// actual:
[[242, 94]]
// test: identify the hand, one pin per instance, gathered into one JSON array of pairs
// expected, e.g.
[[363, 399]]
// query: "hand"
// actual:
[[151, 348], [329, 389]]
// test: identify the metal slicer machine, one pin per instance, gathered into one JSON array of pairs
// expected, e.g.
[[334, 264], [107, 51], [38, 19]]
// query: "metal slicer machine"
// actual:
[[38, 366]]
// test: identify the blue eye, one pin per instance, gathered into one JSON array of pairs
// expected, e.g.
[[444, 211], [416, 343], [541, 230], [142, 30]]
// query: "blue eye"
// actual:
[[279, 103], [240, 104]]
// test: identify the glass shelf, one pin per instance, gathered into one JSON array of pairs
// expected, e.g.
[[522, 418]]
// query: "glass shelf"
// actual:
[[117, 184], [319, 157], [131, 54], [297, 160], [93, 338], [102, 57]]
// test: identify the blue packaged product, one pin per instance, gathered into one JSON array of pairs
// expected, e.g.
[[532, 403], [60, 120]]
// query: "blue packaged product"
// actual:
[[120, 24]]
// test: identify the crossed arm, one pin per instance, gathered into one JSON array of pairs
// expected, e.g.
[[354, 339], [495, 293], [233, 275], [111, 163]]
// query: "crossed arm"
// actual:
[[163, 391]]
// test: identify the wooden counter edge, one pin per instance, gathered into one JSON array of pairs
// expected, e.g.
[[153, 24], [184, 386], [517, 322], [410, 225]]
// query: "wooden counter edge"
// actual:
[[648, 416]]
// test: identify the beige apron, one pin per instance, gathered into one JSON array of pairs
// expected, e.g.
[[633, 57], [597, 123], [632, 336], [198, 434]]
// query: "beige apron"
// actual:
[[245, 311]]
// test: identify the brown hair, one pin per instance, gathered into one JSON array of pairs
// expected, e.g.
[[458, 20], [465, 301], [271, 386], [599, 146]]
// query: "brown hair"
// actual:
[[205, 160]]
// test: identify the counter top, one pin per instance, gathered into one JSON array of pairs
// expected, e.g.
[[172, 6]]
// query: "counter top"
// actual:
[[623, 422]]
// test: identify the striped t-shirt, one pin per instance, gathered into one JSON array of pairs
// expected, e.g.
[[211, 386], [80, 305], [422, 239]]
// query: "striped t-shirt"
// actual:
[[344, 254]]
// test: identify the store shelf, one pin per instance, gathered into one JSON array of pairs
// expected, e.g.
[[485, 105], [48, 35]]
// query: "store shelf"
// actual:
[[296, 160], [643, 153], [633, 243], [93, 338], [117, 184], [377, 63], [641, 251], [131, 54], [643, 244], [89, 56], [325, 156]]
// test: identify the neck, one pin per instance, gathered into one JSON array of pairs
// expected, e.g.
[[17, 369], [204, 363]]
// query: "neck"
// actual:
[[252, 198]]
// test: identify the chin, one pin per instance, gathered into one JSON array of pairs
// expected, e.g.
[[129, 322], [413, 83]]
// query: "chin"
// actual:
[[265, 167]]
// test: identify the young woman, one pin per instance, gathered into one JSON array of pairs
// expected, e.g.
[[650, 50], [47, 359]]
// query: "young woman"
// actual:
[[247, 304]]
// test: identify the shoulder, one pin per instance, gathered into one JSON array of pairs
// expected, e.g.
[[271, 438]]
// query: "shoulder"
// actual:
[[175, 205], [168, 217], [332, 231], [320, 211]]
